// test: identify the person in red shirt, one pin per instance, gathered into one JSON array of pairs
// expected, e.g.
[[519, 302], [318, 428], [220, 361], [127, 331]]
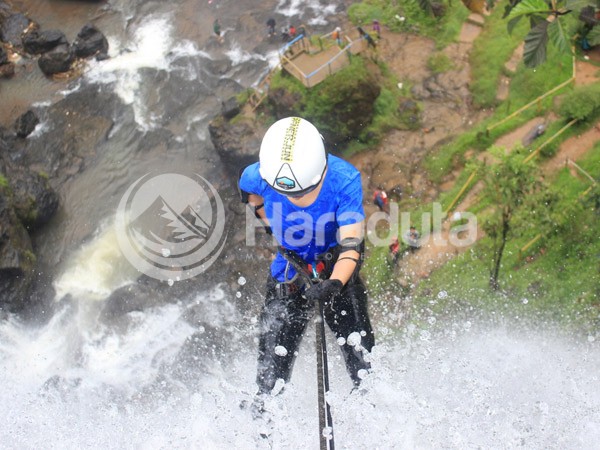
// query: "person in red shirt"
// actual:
[[380, 198]]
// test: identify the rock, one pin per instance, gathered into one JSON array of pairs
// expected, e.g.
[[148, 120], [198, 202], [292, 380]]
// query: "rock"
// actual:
[[7, 70], [284, 102], [237, 144], [16, 256], [533, 134], [3, 56], [34, 201], [58, 60], [36, 42], [13, 27], [89, 42], [230, 108], [26, 123]]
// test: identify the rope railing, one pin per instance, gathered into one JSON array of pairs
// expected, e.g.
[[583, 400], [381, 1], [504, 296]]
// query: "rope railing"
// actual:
[[537, 100], [554, 136]]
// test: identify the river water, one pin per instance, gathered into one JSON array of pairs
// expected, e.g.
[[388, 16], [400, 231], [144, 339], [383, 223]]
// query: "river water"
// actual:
[[173, 372]]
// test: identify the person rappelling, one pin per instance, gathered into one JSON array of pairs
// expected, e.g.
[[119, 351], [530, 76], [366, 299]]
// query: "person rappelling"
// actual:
[[312, 203]]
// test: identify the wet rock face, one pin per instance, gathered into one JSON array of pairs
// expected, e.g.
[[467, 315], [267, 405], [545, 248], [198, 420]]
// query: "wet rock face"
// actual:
[[7, 68], [237, 143], [26, 202], [3, 56], [34, 201], [16, 255], [26, 123]]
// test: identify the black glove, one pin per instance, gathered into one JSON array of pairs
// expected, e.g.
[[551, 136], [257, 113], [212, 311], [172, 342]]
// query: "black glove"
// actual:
[[325, 290]]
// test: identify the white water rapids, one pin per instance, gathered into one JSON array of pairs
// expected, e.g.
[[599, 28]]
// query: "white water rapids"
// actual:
[[69, 384]]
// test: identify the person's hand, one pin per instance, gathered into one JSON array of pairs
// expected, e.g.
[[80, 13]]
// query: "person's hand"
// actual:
[[326, 290]]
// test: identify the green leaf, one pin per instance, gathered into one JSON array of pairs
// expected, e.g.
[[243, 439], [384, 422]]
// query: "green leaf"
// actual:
[[558, 36], [512, 24], [577, 5], [534, 52], [527, 7]]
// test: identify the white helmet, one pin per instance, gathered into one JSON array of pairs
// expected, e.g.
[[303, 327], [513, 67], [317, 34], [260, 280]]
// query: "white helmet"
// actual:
[[292, 156]]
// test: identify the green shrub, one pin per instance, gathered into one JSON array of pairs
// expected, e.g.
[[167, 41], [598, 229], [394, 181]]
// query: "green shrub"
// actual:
[[582, 103]]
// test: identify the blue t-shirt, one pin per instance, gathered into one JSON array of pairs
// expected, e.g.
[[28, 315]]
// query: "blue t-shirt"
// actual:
[[311, 230]]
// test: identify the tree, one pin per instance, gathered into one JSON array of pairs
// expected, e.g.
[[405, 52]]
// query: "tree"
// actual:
[[548, 23], [519, 201]]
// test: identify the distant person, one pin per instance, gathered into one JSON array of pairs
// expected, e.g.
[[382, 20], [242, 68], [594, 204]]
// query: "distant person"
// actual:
[[285, 36], [337, 35], [412, 239], [395, 250], [271, 27], [380, 198], [366, 37], [292, 31], [217, 30], [377, 28]]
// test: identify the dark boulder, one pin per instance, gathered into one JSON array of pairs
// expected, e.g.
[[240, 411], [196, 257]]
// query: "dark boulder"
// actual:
[[12, 28], [237, 144], [89, 42], [36, 42], [230, 108], [3, 56], [7, 67], [16, 255], [34, 201], [26, 123], [58, 60], [284, 103], [7, 70]]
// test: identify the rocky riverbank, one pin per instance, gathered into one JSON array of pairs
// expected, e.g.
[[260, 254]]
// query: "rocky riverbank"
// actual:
[[28, 198]]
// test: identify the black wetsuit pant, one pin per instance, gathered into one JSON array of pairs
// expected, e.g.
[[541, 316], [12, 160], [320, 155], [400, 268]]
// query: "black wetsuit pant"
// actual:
[[283, 321]]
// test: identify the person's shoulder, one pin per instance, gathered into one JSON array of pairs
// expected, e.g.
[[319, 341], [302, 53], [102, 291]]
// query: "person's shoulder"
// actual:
[[341, 167], [344, 176], [250, 176]]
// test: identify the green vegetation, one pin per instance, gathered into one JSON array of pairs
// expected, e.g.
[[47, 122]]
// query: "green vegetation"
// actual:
[[571, 22], [556, 279], [583, 103], [356, 106], [439, 63], [490, 52], [3, 181], [408, 16]]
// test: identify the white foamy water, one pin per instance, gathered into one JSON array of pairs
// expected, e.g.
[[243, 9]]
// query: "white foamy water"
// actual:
[[481, 388], [95, 269], [296, 8], [148, 48]]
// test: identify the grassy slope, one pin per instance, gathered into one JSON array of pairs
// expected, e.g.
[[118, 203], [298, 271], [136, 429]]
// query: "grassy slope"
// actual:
[[559, 280]]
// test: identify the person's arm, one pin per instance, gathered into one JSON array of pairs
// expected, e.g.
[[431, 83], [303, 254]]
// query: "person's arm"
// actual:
[[348, 260], [258, 203]]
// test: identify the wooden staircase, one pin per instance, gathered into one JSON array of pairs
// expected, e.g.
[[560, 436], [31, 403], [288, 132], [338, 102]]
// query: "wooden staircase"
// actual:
[[261, 91]]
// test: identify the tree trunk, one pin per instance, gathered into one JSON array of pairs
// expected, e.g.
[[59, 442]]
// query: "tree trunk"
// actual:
[[498, 257]]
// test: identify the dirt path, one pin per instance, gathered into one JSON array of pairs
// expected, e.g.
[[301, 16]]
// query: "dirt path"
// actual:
[[573, 148], [394, 164]]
